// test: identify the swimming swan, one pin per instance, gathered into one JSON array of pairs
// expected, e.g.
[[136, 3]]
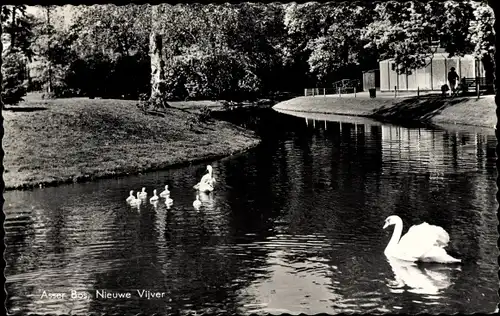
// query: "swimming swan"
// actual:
[[207, 182], [166, 192], [424, 242], [154, 203], [197, 202], [154, 197], [131, 197], [136, 201], [143, 193]]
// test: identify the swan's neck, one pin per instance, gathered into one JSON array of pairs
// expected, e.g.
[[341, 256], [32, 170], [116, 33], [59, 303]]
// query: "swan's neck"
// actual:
[[396, 235]]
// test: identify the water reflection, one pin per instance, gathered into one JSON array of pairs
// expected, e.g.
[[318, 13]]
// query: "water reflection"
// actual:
[[294, 226], [429, 279]]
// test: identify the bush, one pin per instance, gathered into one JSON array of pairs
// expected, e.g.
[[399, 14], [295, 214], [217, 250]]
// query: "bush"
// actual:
[[14, 84], [212, 77], [98, 75], [129, 77], [205, 114]]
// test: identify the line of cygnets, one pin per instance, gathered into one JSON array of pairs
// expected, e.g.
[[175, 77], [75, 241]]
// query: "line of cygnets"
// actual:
[[206, 184]]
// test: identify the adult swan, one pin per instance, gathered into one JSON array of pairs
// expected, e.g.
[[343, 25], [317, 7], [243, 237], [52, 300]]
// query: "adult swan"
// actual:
[[423, 243], [207, 182]]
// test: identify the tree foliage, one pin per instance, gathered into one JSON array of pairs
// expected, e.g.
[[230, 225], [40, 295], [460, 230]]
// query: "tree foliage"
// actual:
[[14, 81], [410, 32], [18, 26], [246, 50]]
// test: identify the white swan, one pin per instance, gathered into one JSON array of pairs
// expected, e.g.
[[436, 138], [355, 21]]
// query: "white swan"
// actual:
[[136, 201], [424, 242], [131, 197], [154, 197], [421, 280], [154, 203], [166, 192], [197, 202], [143, 193], [207, 182]]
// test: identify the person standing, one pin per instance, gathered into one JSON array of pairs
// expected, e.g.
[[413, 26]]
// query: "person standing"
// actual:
[[453, 79]]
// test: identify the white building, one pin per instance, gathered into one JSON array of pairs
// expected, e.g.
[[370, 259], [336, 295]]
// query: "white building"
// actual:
[[431, 77]]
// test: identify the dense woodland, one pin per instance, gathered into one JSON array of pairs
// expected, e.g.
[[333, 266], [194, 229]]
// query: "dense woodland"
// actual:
[[228, 51]]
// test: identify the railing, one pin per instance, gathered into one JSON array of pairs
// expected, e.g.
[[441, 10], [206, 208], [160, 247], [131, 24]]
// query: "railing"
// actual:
[[340, 87], [319, 91], [329, 91], [347, 85]]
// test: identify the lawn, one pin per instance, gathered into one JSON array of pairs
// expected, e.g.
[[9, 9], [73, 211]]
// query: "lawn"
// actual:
[[427, 108], [70, 140]]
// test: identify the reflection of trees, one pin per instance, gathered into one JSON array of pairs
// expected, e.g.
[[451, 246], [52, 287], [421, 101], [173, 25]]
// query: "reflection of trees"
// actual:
[[66, 237], [323, 182], [417, 165], [20, 237], [352, 153]]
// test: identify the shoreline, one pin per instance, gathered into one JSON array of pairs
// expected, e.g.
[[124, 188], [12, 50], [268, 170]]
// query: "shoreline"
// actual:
[[118, 175], [427, 109], [54, 142]]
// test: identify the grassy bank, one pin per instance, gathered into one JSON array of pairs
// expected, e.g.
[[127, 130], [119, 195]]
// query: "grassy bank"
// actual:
[[433, 109], [73, 140]]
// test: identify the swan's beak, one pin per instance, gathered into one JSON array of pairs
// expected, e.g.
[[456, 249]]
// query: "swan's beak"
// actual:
[[385, 225]]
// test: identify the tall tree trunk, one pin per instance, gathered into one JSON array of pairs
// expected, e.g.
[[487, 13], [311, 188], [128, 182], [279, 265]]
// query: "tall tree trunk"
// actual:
[[13, 29], [2, 105], [157, 63], [48, 50]]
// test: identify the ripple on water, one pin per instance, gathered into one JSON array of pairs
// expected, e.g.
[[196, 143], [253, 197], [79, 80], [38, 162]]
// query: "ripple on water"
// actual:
[[294, 227]]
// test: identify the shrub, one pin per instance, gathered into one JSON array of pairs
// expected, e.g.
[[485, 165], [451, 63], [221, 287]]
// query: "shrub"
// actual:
[[146, 103], [14, 84], [129, 77], [205, 114], [216, 76]]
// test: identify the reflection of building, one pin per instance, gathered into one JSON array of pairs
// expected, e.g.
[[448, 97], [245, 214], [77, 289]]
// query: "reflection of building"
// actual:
[[417, 149], [431, 77], [355, 126]]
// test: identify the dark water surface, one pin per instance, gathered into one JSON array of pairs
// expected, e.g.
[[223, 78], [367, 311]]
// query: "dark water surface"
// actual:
[[294, 226]]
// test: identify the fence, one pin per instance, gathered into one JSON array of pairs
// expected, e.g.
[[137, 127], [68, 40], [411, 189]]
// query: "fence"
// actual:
[[340, 87], [329, 91], [472, 88]]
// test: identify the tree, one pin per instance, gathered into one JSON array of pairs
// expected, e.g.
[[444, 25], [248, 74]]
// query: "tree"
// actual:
[[157, 63], [410, 32], [302, 22], [405, 31], [14, 78], [482, 37], [338, 50], [218, 51], [113, 30], [20, 29], [13, 63], [2, 9]]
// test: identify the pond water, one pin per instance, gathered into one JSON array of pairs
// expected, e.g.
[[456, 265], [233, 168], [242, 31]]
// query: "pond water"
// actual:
[[295, 226]]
